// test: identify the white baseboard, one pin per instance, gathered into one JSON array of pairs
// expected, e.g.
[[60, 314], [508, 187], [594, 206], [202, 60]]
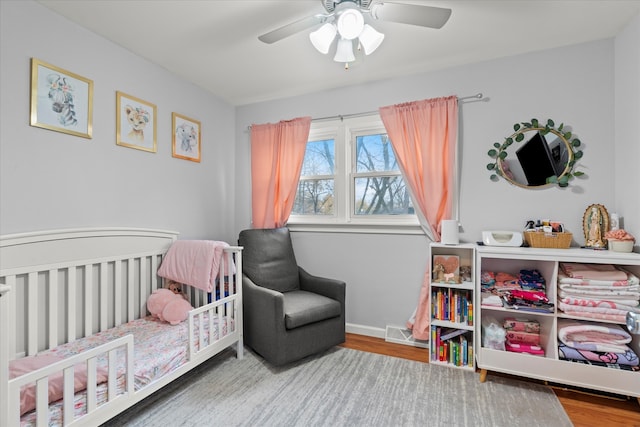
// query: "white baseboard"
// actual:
[[368, 331], [394, 334]]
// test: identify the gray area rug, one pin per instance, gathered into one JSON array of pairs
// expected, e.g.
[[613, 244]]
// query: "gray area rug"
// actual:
[[343, 387]]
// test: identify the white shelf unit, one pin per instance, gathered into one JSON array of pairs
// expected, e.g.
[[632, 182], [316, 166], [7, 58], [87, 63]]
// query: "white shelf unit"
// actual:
[[466, 255], [550, 367]]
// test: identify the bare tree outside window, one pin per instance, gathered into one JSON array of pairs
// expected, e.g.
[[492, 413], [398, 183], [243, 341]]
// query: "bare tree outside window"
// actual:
[[379, 188], [315, 194], [350, 175]]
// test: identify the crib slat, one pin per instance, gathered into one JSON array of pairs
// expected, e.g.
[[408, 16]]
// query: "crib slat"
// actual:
[[154, 277], [117, 292], [144, 287], [131, 287], [111, 381], [68, 390], [53, 308], [104, 299], [92, 397], [88, 300], [42, 402], [71, 304], [10, 299], [33, 313]]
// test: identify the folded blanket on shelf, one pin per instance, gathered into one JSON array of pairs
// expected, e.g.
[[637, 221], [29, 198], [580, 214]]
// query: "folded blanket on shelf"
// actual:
[[535, 350], [595, 313], [521, 337], [491, 299], [593, 336], [617, 305], [593, 271], [596, 292], [521, 325], [618, 318], [623, 358], [631, 280]]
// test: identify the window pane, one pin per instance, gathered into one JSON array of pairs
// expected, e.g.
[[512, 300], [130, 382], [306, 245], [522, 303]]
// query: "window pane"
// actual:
[[315, 197], [319, 158], [382, 195], [374, 153]]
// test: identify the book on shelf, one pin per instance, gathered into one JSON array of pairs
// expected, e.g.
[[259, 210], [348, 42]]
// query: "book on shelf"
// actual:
[[451, 346], [452, 305], [450, 333]]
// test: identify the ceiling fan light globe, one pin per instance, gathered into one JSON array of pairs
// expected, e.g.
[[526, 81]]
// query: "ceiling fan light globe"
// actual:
[[350, 24], [344, 52], [370, 39], [322, 38]]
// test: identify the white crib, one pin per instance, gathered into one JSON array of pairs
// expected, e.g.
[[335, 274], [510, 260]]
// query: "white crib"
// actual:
[[57, 287]]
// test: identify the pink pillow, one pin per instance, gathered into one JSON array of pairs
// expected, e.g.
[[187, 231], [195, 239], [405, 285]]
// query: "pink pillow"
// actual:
[[25, 365]]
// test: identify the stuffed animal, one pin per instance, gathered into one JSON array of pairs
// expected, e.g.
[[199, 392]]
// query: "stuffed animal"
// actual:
[[176, 288], [438, 272], [168, 306], [465, 273]]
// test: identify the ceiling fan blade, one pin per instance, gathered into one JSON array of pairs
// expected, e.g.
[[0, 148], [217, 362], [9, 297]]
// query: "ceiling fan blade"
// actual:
[[291, 28], [424, 16]]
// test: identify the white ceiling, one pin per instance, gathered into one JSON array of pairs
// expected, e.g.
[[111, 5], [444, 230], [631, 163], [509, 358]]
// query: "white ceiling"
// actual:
[[215, 45]]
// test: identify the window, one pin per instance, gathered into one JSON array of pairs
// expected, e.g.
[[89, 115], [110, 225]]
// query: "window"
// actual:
[[350, 176]]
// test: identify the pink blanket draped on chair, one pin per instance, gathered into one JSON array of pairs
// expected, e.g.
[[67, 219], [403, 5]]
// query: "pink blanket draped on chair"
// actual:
[[195, 263]]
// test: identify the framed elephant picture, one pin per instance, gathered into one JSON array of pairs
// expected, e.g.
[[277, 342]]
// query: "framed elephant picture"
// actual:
[[186, 138]]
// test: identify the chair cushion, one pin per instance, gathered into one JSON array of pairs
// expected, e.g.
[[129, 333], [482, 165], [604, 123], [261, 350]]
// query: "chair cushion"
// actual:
[[302, 308], [268, 258]]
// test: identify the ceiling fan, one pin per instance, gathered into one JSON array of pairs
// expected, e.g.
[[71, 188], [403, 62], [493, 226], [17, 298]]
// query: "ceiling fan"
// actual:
[[350, 20], [424, 16]]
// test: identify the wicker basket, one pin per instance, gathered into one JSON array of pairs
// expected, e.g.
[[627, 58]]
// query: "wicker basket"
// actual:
[[539, 239]]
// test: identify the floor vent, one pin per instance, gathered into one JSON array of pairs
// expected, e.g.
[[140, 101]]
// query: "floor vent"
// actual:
[[399, 335]]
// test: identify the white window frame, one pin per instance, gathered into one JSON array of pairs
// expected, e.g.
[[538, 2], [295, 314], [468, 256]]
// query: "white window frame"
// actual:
[[344, 132]]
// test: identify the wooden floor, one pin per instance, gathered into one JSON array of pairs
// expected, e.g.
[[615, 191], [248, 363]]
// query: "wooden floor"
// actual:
[[584, 409]]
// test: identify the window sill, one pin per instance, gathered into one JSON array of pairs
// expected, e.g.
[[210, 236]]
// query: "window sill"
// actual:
[[411, 229]]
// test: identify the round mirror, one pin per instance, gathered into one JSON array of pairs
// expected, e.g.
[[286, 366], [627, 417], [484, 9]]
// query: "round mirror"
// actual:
[[536, 156]]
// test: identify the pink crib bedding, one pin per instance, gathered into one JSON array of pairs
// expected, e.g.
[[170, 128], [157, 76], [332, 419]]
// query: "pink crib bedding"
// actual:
[[159, 348]]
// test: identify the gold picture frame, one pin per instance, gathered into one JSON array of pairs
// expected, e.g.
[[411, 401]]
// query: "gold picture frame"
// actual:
[[61, 101], [186, 140], [136, 123], [595, 223]]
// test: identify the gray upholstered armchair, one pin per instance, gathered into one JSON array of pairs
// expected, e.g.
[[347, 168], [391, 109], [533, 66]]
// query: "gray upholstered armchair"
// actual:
[[288, 313]]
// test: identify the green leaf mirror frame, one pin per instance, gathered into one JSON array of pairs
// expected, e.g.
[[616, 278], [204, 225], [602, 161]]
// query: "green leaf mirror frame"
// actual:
[[565, 148]]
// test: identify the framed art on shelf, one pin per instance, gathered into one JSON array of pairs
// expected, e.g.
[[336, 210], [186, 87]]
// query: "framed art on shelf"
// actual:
[[135, 123], [446, 268], [186, 138], [61, 101]]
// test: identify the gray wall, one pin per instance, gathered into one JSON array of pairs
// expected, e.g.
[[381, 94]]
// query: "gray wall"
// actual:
[[574, 85], [52, 180]]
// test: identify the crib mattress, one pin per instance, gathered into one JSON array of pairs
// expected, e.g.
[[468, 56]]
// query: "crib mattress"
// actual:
[[159, 348]]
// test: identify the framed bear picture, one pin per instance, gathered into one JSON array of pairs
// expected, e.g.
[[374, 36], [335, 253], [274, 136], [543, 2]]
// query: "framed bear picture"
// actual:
[[186, 138], [135, 123]]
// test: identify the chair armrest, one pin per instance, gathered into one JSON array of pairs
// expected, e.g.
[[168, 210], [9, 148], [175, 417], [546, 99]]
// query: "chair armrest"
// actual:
[[267, 302], [330, 288]]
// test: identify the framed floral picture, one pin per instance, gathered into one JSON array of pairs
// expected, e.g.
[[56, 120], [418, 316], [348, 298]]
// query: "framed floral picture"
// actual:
[[186, 138], [61, 101], [135, 123]]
